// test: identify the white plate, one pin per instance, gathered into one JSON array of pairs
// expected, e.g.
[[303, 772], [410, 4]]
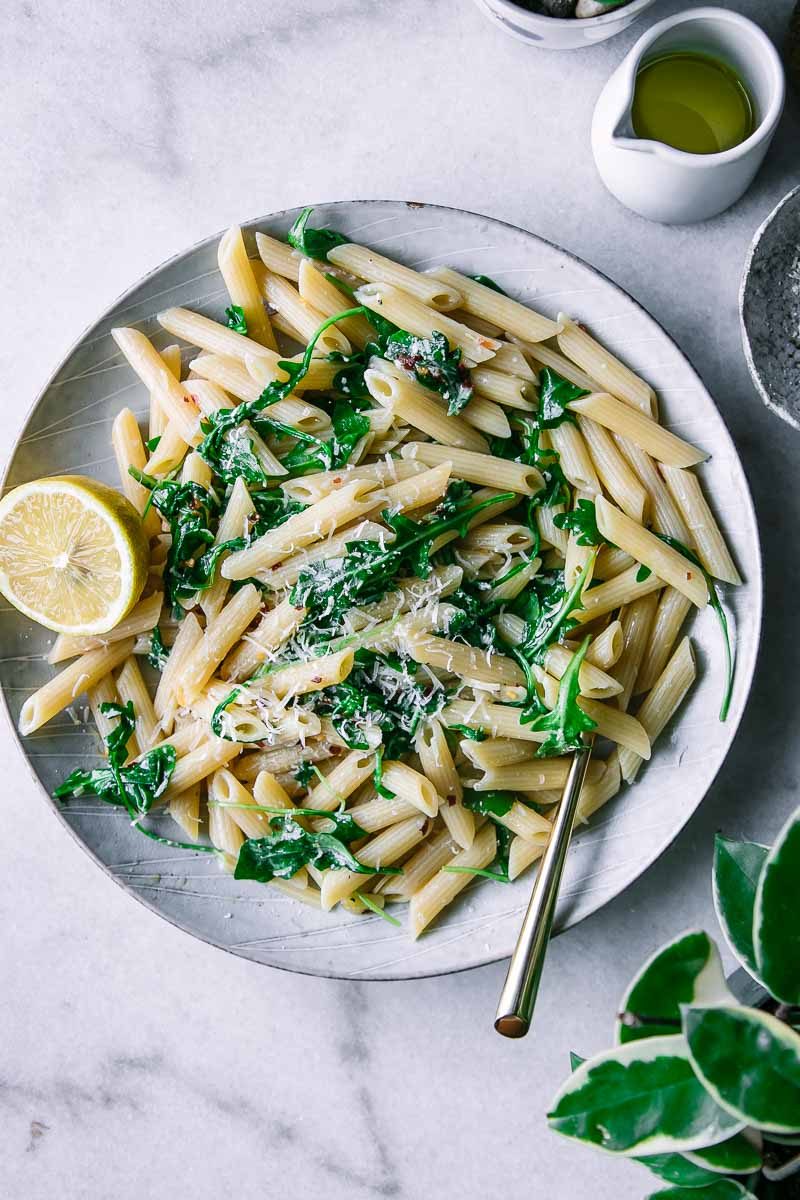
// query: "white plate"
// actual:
[[69, 430]]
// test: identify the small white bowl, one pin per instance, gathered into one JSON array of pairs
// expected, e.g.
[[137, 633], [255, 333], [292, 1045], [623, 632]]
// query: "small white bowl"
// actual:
[[560, 33]]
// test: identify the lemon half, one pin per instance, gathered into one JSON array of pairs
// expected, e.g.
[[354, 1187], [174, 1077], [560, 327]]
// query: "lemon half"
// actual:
[[73, 553]]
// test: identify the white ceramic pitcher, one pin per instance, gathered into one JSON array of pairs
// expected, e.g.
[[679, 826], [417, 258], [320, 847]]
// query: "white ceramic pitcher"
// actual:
[[670, 185]]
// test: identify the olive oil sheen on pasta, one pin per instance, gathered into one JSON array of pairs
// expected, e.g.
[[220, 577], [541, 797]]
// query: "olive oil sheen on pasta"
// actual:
[[692, 102]]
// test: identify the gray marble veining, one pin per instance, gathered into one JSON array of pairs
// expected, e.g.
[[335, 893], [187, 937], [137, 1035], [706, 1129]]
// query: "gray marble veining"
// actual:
[[136, 1060]]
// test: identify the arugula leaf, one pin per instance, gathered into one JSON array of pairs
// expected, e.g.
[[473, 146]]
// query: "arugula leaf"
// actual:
[[369, 903], [315, 243], [567, 722], [467, 731], [236, 319], [582, 521], [555, 393], [304, 773], [217, 717], [489, 804], [152, 443], [290, 847], [190, 510], [313, 454], [487, 281], [377, 776], [716, 603], [158, 654], [366, 572], [546, 606], [643, 573], [431, 361]]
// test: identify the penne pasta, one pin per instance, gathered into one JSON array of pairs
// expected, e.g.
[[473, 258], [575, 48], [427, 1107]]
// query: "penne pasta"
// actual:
[[602, 365], [661, 704], [235, 269], [646, 548], [638, 428]]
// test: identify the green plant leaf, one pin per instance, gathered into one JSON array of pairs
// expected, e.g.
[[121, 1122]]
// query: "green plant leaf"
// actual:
[[736, 1156], [685, 971], [776, 932], [642, 1098], [575, 1060], [721, 1189], [749, 1061], [676, 1168], [737, 867], [316, 243]]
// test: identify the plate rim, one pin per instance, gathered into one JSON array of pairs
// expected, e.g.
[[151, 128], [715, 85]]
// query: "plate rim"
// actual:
[[756, 576]]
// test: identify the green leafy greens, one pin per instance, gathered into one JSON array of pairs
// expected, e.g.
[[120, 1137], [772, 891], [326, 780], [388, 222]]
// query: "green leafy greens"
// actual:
[[315, 243], [290, 847], [235, 317], [567, 722]]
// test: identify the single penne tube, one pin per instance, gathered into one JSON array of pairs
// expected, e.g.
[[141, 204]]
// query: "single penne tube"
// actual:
[[415, 317], [382, 850], [187, 737], [233, 524], [223, 832], [148, 364], [169, 452], [477, 323], [132, 688], [459, 659], [157, 418], [523, 852], [617, 726], [649, 550], [213, 337], [326, 299], [434, 853], [280, 760], [273, 631], [497, 720], [605, 649], [525, 822], [442, 889], [309, 488], [511, 358], [504, 389], [278, 257], [411, 785], [516, 579], [269, 793], [546, 356], [348, 774], [416, 405], [661, 703], [487, 416], [600, 364], [80, 676], [334, 546], [530, 776], [126, 441], [672, 610], [311, 675], [236, 271], [221, 633], [639, 428], [310, 525], [666, 517], [548, 530], [614, 593], [196, 470], [708, 540], [165, 703], [493, 306], [501, 537], [593, 681], [496, 752], [287, 301], [378, 812], [185, 810], [141, 619], [366, 264], [597, 793], [574, 458], [636, 624], [198, 764], [478, 468], [613, 470], [611, 561], [437, 764], [417, 490]]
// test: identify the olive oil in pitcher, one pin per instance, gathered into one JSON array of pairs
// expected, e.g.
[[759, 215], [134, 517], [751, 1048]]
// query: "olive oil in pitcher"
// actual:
[[692, 102]]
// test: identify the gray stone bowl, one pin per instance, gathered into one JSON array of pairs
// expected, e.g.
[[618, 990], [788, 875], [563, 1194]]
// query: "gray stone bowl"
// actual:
[[769, 309]]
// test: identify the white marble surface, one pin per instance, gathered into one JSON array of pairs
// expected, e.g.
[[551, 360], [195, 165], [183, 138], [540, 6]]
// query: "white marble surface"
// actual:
[[135, 1060]]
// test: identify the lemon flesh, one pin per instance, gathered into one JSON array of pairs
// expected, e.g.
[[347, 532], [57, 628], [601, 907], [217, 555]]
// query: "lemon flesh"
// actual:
[[73, 553]]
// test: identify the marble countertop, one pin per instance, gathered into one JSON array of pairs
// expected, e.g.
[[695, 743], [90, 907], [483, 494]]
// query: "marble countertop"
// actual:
[[136, 1060]]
